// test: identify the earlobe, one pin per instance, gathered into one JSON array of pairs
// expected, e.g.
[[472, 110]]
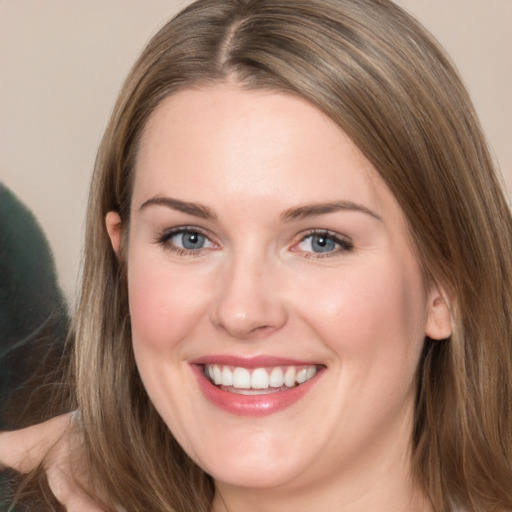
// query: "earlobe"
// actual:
[[439, 321], [113, 224]]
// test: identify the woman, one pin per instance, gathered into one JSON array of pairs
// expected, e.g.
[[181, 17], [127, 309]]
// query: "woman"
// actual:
[[296, 285]]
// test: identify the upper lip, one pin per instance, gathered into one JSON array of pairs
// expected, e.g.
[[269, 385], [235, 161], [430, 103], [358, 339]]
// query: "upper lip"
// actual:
[[250, 362]]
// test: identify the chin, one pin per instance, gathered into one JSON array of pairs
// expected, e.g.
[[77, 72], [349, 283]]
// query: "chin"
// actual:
[[252, 457], [255, 474]]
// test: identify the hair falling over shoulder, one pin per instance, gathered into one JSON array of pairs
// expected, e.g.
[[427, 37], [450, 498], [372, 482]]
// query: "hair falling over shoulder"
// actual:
[[384, 80]]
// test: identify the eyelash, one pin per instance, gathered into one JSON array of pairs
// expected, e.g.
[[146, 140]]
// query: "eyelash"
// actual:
[[164, 238], [343, 244]]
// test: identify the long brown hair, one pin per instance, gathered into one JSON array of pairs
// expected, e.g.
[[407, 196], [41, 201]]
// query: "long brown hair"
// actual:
[[383, 79]]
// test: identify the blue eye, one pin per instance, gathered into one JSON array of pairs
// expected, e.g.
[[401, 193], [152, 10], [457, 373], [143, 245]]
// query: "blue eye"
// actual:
[[189, 240], [185, 240], [323, 244]]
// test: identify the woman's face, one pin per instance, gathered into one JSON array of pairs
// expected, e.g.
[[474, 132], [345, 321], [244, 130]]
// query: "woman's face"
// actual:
[[277, 309]]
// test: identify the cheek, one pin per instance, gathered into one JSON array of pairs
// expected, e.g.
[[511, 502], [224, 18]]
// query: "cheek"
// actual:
[[373, 324], [373, 315], [165, 305]]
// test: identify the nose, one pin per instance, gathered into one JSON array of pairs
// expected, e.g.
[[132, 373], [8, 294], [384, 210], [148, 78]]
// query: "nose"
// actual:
[[249, 303]]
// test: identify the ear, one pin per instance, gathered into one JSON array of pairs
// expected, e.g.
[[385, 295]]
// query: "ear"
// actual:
[[113, 223], [439, 324]]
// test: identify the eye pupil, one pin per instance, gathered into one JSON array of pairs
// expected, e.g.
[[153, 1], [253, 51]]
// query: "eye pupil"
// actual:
[[193, 240]]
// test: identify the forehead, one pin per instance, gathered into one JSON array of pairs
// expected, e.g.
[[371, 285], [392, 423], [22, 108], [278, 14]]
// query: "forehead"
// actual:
[[224, 141]]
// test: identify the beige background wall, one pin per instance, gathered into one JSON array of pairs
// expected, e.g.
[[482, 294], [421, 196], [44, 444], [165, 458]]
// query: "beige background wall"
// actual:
[[63, 61]]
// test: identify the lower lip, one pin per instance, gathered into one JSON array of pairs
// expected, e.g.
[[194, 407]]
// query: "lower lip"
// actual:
[[252, 405]]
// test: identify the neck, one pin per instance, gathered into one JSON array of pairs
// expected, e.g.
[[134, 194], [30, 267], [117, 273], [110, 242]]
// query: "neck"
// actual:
[[393, 497]]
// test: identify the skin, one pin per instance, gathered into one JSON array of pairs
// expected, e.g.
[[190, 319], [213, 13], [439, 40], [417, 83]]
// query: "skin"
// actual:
[[56, 445], [257, 287]]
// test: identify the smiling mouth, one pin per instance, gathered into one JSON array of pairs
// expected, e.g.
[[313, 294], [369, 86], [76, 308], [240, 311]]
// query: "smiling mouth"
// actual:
[[258, 381]]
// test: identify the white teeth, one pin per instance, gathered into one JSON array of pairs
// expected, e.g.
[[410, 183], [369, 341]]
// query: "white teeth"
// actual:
[[241, 378], [227, 376], [276, 379], [217, 375], [259, 378], [301, 376], [310, 372], [289, 377]]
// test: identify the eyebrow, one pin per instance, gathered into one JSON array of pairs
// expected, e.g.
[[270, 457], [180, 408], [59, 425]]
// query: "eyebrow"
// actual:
[[312, 210], [195, 209], [296, 213]]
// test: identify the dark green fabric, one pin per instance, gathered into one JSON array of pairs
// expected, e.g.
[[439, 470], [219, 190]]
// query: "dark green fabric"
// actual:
[[33, 325], [33, 317]]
